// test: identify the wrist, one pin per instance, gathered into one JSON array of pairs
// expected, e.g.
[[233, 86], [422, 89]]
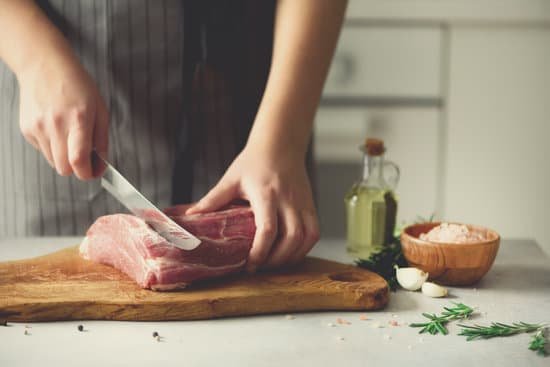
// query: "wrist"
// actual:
[[277, 145]]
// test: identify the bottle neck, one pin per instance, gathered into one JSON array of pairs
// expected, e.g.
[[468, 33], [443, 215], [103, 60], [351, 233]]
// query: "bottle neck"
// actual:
[[372, 169]]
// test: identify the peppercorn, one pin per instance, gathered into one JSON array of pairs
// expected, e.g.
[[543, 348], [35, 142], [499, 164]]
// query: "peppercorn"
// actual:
[[155, 334], [80, 328]]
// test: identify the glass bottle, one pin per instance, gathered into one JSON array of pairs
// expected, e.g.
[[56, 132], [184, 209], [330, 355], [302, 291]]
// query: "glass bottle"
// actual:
[[371, 204]]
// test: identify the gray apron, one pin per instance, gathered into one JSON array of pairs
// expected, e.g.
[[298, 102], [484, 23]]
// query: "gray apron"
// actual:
[[183, 81], [133, 50]]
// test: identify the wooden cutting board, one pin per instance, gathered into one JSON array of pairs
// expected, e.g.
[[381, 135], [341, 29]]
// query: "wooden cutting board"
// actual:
[[63, 286]]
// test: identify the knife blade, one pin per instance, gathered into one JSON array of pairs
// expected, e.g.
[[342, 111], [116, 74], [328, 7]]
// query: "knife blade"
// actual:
[[118, 186]]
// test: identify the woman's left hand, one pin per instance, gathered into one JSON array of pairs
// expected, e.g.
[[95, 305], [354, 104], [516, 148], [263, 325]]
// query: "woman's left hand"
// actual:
[[279, 192]]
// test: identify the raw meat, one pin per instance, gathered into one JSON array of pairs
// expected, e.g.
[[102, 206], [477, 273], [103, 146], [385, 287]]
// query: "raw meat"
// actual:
[[127, 243]]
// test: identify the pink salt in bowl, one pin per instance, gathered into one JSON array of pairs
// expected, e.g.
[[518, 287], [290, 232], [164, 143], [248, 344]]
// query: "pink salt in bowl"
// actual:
[[450, 263]]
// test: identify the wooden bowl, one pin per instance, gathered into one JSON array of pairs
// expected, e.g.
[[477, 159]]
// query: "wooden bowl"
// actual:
[[450, 263]]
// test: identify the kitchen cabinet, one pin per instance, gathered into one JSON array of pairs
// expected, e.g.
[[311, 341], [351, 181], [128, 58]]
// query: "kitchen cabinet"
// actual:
[[386, 62], [450, 11]]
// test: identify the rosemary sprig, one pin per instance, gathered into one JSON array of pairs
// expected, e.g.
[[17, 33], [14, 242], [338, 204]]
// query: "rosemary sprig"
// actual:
[[497, 329], [437, 323], [538, 343]]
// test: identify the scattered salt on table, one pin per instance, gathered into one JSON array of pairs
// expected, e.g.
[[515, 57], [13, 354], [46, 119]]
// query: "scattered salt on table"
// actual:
[[342, 321], [393, 323]]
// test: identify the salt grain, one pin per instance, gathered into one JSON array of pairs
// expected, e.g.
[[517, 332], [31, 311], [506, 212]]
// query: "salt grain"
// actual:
[[330, 324], [342, 321], [363, 317], [387, 337], [341, 338], [290, 317], [409, 347], [393, 323]]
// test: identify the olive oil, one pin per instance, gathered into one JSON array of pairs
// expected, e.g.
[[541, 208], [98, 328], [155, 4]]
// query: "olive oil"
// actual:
[[371, 205]]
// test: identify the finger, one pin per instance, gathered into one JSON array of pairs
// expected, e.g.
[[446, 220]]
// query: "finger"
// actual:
[[79, 151], [44, 147], [222, 194], [101, 138], [311, 236], [59, 151], [265, 218], [291, 237]]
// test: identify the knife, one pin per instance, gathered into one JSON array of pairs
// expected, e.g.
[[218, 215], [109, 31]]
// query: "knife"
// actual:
[[118, 186]]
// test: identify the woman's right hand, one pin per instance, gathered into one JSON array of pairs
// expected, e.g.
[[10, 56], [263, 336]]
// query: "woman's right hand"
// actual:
[[63, 115]]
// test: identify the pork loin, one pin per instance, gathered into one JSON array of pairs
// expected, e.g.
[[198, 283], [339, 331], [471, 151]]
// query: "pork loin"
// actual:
[[127, 243]]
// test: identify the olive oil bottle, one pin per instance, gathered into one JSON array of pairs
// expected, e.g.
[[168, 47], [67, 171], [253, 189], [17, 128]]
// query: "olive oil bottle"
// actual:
[[371, 204]]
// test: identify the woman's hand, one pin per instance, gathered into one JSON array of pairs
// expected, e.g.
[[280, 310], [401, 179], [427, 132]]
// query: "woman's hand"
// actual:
[[279, 192], [63, 115]]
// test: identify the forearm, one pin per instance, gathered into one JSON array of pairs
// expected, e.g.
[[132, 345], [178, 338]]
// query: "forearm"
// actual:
[[32, 39], [305, 36]]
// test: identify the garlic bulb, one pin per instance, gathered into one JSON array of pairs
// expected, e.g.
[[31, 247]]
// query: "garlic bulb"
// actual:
[[434, 290], [410, 278]]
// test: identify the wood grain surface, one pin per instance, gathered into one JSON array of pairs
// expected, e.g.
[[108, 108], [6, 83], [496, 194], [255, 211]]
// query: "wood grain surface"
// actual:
[[63, 286]]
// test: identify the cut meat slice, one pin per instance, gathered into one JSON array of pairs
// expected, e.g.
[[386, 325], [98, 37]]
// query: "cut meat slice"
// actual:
[[127, 243]]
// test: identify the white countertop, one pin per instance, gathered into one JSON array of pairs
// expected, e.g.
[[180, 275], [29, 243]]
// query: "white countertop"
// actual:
[[516, 289]]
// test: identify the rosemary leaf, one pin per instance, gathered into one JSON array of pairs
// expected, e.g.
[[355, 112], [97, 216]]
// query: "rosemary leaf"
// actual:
[[437, 323], [496, 329], [538, 343]]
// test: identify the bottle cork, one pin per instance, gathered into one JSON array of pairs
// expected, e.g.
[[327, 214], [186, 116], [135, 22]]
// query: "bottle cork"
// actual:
[[373, 147]]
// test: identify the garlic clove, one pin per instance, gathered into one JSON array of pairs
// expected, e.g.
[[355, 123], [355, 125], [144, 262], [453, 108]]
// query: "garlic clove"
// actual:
[[434, 290], [410, 278]]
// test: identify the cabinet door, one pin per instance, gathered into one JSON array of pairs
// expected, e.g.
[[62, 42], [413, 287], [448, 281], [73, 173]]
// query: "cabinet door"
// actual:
[[411, 138], [498, 170], [386, 62]]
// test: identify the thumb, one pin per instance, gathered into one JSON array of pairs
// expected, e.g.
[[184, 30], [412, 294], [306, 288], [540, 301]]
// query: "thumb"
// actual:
[[222, 194]]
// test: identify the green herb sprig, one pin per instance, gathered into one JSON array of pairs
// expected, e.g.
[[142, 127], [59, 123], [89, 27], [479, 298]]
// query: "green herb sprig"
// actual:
[[497, 329], [538, 343], [383, 263], [437, 323]]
